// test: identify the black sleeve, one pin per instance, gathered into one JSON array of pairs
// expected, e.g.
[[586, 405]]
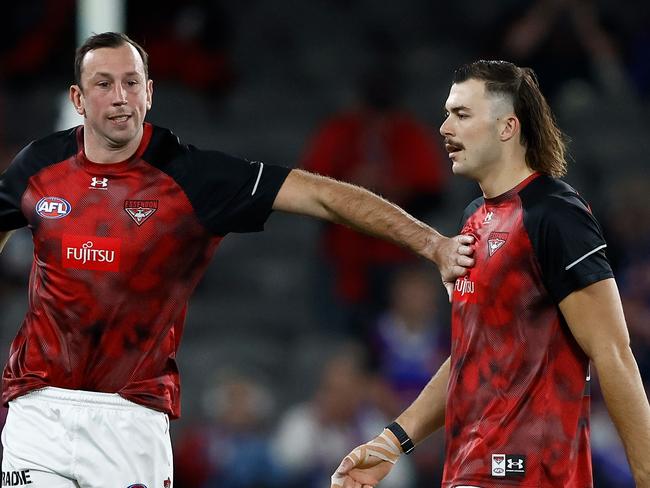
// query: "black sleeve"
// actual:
[[13, 183], [34, 157], [231, 194], [569, 245]]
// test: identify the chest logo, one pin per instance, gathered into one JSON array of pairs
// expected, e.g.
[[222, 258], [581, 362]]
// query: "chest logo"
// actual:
[[91, 252], [98, 183], [53, 207], [140, 210], [495, 241]]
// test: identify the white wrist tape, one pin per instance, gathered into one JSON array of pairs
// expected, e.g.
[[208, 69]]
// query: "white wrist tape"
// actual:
[[381, 447]]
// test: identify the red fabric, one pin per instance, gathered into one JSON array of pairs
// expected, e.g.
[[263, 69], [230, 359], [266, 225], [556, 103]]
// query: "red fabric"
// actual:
[[99, 325], [517, 386]]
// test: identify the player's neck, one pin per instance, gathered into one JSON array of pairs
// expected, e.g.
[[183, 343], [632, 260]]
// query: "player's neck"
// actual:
[[99, 149], [503, 178]]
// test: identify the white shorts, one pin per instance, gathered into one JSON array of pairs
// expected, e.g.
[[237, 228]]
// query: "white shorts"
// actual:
[[57, 438]]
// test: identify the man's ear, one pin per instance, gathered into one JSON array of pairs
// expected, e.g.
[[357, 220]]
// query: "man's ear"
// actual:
[[77, 98], [509, 127], [149, 94]]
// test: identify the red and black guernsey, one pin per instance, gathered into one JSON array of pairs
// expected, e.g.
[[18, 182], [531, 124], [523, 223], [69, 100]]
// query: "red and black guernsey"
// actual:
[[518, 405], [118, 250]]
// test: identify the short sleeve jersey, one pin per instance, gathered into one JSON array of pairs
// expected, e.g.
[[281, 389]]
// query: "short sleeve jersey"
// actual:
[[518, 406], [118, 249]]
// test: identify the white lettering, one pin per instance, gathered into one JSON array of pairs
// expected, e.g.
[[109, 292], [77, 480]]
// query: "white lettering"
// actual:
[[87, 253], [50, 207], [464, 286]]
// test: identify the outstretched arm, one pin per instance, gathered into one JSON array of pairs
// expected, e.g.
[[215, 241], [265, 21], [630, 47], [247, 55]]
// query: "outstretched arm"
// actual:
[[343, 203], [595, 317], [370, 463]]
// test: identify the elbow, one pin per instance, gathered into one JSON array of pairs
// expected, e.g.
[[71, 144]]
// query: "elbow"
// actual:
[[613, 355]]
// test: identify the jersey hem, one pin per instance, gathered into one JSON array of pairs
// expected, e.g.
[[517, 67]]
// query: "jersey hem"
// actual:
[[486, 483]]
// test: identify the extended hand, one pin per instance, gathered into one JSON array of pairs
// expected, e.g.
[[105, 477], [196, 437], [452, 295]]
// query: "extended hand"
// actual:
[[368, 464]]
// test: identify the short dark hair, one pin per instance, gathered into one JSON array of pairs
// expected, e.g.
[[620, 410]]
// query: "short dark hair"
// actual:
[[544, 141], [107, 39]]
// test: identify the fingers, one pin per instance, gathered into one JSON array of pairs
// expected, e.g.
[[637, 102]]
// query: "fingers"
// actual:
[[465, 239], [465, 250], [345, 481], [337, 480], [346, 465]]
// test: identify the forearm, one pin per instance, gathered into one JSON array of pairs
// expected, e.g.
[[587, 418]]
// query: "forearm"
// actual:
[[427, 413], [627, 404], [355, 207]]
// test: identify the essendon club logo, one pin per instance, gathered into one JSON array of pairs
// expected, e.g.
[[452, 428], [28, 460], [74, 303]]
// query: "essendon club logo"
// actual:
[[140, 210], [495, 241], [91, 252]]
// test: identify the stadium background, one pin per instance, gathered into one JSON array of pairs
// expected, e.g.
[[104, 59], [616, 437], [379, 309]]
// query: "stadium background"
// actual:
[[271, 396]]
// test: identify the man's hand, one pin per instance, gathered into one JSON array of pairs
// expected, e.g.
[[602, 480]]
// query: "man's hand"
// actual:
[[453, 257], [368, 464]]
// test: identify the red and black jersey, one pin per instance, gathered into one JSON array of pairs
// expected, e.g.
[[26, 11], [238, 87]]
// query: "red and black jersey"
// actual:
[[518, 405], [118, 249]]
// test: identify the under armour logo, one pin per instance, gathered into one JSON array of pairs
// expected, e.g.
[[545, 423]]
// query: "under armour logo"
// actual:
[[488, 217], [515, 464], [99, 183]]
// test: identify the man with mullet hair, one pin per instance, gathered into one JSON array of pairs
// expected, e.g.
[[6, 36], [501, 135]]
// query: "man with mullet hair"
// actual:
[[125, 219], [540, 304]]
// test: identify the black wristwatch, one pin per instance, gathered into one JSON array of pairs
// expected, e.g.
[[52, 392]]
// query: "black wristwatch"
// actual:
[[403, 438]]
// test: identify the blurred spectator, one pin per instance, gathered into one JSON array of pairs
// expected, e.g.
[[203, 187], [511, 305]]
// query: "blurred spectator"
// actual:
[[382, 147], [190, 43], [410, 341], [231, 449], [27, 50], [313, 436], [609, 462], [564, 40]]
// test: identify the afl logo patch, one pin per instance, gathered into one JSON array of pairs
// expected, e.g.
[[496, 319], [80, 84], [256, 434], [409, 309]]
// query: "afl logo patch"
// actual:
[[53, 207]]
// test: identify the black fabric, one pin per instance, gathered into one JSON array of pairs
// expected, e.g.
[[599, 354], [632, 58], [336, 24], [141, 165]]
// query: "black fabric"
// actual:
[[35, 156], [470, 210], [563, 230], [219, 187]]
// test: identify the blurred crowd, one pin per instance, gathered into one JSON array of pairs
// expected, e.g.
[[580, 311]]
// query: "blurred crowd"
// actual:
[[384, 310]]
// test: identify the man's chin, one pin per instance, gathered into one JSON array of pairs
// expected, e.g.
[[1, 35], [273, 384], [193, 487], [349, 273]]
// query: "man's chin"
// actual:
[[121, 137]]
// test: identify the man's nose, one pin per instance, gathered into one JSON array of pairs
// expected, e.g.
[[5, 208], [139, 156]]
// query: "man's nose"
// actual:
[[445, 128], [119, 95]]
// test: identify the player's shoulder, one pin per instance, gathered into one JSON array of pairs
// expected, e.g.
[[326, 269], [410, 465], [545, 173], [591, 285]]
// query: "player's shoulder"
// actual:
[[167, 152], [50, 149], [551, 201], [547, 195], [42, 153]]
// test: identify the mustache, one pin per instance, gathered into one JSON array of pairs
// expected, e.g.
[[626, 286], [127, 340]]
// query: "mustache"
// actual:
[[451, 144]]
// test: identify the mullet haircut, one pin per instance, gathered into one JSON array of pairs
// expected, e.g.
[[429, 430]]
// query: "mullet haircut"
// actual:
[[544, 141], [107, 39]]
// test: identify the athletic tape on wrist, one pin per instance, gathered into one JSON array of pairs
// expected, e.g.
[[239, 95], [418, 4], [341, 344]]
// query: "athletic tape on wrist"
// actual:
[[381, 447]]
